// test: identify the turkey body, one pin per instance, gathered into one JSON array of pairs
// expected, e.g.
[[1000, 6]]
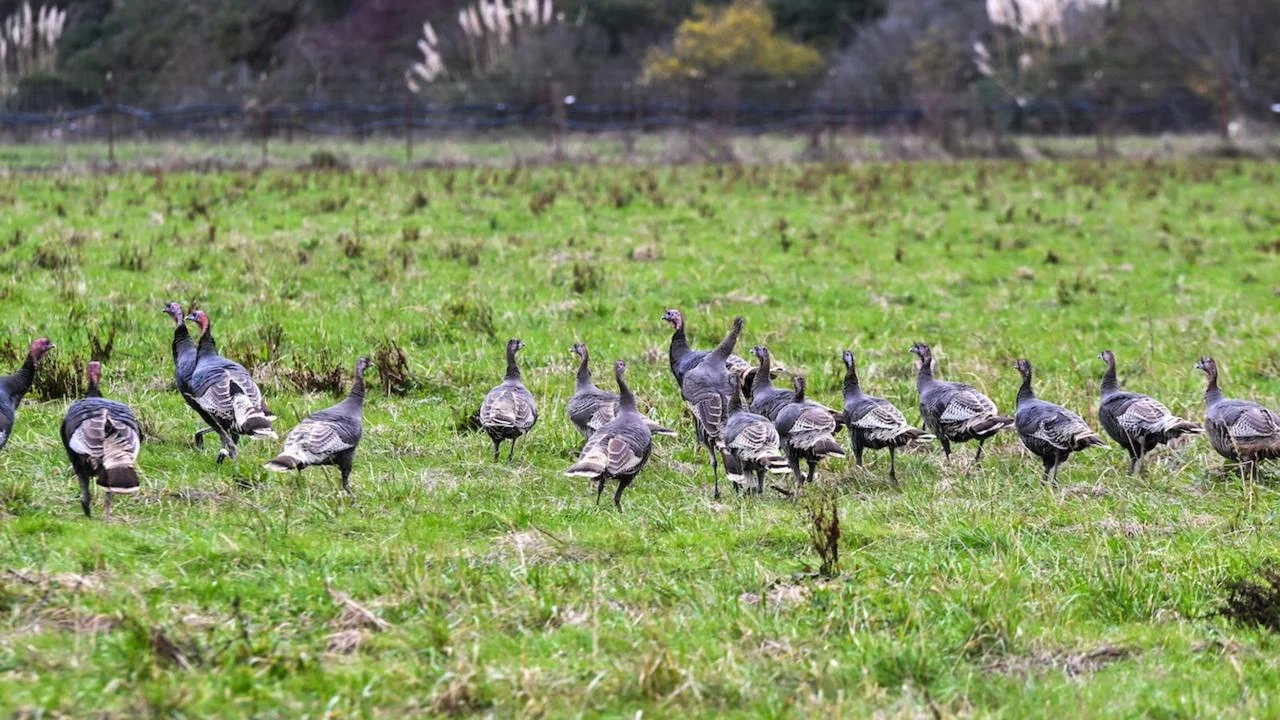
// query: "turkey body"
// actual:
[[509, 410], [1138, 423], [875, 423], [328, 437], [1050, 431], [102, 441], [620, 448]]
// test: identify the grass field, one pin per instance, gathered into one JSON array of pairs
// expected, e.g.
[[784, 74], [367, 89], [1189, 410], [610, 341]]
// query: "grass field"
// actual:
[[137, 153], [499, 588]]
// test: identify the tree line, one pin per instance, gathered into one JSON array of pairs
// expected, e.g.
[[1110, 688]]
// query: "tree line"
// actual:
[[937, 56]]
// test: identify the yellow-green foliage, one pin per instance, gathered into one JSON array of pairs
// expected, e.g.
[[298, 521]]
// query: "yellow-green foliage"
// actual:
[[738, 39]]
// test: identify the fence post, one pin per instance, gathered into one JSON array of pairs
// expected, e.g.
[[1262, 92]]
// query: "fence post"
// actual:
[[264, 117], [408, 127], [691, 129], [109, 108], [559, 120]]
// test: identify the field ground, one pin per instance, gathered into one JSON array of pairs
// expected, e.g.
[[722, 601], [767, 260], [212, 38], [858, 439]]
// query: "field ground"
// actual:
[[453, 584], [530, 147]]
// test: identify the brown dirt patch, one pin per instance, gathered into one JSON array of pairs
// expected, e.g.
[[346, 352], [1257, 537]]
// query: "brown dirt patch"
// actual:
[[779, 595]]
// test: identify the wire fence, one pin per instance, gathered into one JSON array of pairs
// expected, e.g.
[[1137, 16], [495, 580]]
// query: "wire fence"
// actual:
[[599, 110], [363, 120]]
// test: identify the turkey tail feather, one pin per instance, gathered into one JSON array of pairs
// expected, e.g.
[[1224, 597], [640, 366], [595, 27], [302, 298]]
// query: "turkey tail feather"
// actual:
[[733, 470], [249, 418], [916, 435], [122, 480], [827, 447], [283, 463], [777, 465], [593, 463], [991, 425], [117, 474]]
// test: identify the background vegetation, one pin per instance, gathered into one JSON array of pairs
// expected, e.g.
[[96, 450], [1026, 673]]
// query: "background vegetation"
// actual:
[[935, 55]]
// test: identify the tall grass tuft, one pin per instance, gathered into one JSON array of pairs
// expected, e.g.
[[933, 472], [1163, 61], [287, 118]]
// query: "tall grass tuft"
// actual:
[[59, 377], [822, 508], [393, 369], [1254, 601], [100, 349]]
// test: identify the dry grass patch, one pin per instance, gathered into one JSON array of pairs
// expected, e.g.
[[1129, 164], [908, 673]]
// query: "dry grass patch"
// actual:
[[1072, 664], [779, 595], [352, 626], [64, 619], [43, 581], [527, 547]]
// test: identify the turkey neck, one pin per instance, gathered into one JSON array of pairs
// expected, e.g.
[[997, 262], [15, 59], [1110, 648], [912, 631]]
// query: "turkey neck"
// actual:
[[19, 383], [925, 375], [1025, 393], [725, 348], [735, 401], [679, 344], [94, 390], [207, 345], [1211, 392], [762, 381], [799, 396], [584, 374], [1109, 383], [356, 396], [513, 370], [182, 344], [626, 400], [851, 386]]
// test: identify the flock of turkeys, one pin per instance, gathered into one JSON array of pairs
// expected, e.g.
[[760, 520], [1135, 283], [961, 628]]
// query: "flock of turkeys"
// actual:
[[744, 422]]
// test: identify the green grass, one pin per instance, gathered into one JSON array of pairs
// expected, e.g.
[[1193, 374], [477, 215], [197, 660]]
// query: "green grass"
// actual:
[[503, 589]]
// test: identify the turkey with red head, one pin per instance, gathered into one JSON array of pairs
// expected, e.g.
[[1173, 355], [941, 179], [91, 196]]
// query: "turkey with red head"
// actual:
[[225, 395], [14, 387]]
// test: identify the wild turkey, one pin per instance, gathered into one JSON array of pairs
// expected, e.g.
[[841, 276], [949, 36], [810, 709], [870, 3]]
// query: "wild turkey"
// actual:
[[589, 407], [225, 394], [1241, 431], [620, 448], [509, 410], [1138, 423], [14, 387], [706, 390], [683, 359], [766, 399], [184, 363], [102, 441], [1050, 431], [327, 437], [875, 423], [807, 431], [955, 412], [751, 441]]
